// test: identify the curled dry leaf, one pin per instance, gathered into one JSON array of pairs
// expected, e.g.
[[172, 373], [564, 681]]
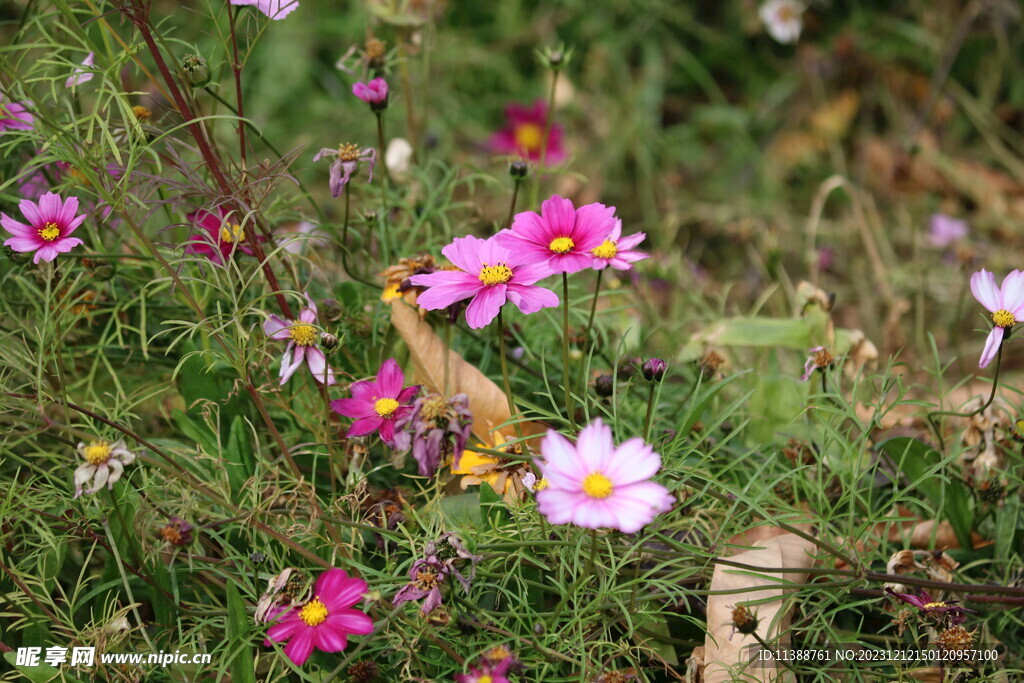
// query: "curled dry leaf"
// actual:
[[725, 651]]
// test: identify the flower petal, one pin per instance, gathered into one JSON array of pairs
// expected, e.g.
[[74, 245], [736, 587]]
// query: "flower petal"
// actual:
[[485, 306], [300, 646], [992, 344], [983, 287], [390, 379]]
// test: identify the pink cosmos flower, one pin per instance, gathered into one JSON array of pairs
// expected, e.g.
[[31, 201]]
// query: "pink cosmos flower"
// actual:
[[490, 274], [81, 75], [944, 230], [346, 163], [376, 405], [14, 116], [48, 233], [594, 484], [223, 235], [302, 336], [326, 621], [1006, 304], [783, 19], [275, 9], [617, 251], [561, 235], [374, 93], [523, 134], [487, 673]]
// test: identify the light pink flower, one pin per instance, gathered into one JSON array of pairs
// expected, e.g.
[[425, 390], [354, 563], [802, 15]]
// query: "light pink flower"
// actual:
[[302, 336], [490, 275], [944, 230], [326, 621], [594, 484], [783, 19], [523, 134], [374, 93], [81, 75], [223, 235], [1006, 304], [14, 115], [560, 235], [346, 163], [376, 405], [617, 251], [104, 464], [275, 9], [48, 233]]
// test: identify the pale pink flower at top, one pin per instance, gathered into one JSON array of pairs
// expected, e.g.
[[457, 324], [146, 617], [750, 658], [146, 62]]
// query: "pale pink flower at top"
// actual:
[[617, 251], [50, 224], [275, 9], [104, 464], [488, 273], [325, 622], [560, 235], [523, 134], [223, 235], [302, 336], [376, 405], [783, 19], [14, 115], [1006, 304], [595, 484], [374, 93], [346, 163], [81, 75]]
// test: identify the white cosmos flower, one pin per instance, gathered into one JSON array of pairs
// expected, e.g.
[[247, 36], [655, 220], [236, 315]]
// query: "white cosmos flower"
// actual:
[[104, 464], [783, 19]]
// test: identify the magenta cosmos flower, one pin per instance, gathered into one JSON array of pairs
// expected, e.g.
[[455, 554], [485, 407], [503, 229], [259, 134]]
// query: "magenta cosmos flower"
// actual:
[[561, 235], [594, 484], [936, 609], [275, 9], [325, 622], [487, 673], [80, 75], [1006, 304], [488, 273], [376, 405], [374, 93], [14, 116], [302, 336], [617, 251], [523, 134], [50, 224], [221, 236]]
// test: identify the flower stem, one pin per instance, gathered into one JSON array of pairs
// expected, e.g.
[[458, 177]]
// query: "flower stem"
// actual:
[[448, 356], [586, 336], [512, 205], [504, 376], [385, 246], [565, 350], [952, 413], [650, 412]]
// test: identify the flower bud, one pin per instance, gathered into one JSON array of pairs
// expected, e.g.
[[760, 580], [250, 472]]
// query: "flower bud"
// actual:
[[141, 113], [518, 170], [257, 558], [328, 342], [743, 620], [653, 369], [604, 385], [627, 368], [197, 71], [555, 58]]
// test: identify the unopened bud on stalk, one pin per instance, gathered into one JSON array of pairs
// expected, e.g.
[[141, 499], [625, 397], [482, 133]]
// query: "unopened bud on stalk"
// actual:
[[604, 385], [518, 170], [329, 342], [653, 369], [556, 57], [197, 71]]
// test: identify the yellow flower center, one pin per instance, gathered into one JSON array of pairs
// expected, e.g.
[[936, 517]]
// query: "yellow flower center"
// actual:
[[529, 136], [231, 233], [495, 275], [97, 452], [596, 485], [786, 14], [562, 245], [542, 484], [933, 605], [484, 679], [1003, 318], [391, 292], [606, 249], [385, 406], [313, 613], [49, 232], [303, 334], [141, 113], [348, 152]]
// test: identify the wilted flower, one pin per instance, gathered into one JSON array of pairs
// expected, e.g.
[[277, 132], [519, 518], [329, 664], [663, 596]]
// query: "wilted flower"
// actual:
[[378, 405], [14, 115], [504, 476], [653, 369], [617, 251], [434, 429], [275, 9], [743, 620], [617, 676], [944, 612], [820, 358], [81, 75], [287, 589], [364, 671], [783, 19], [325, 621], [104, 464], [561, 235], [374, 93], [944, 230], [50, 224], [490, 274], [346, 164], [429, 573], [956, 638], [595, 484], [177, 532], [523, 134], [302, 336], [396, 277], [1005, 304], [221, 236]]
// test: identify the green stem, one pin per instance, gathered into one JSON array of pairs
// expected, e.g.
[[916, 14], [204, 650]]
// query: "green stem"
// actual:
[[565, 351], [381, 151], [650, 413], [512, 205], [952, 413], [504, 376], [591, 344], [448, 355]]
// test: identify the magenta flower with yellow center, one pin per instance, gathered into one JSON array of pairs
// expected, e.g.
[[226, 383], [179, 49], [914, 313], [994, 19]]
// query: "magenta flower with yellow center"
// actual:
[[523, 134], [224, 235], [561, 235], [376, 405], [617, 251], [489, 274], [595, 484], [325, 622], [375, 93], [302, 336], [49, 228], [1005, 303], [14, 115]]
